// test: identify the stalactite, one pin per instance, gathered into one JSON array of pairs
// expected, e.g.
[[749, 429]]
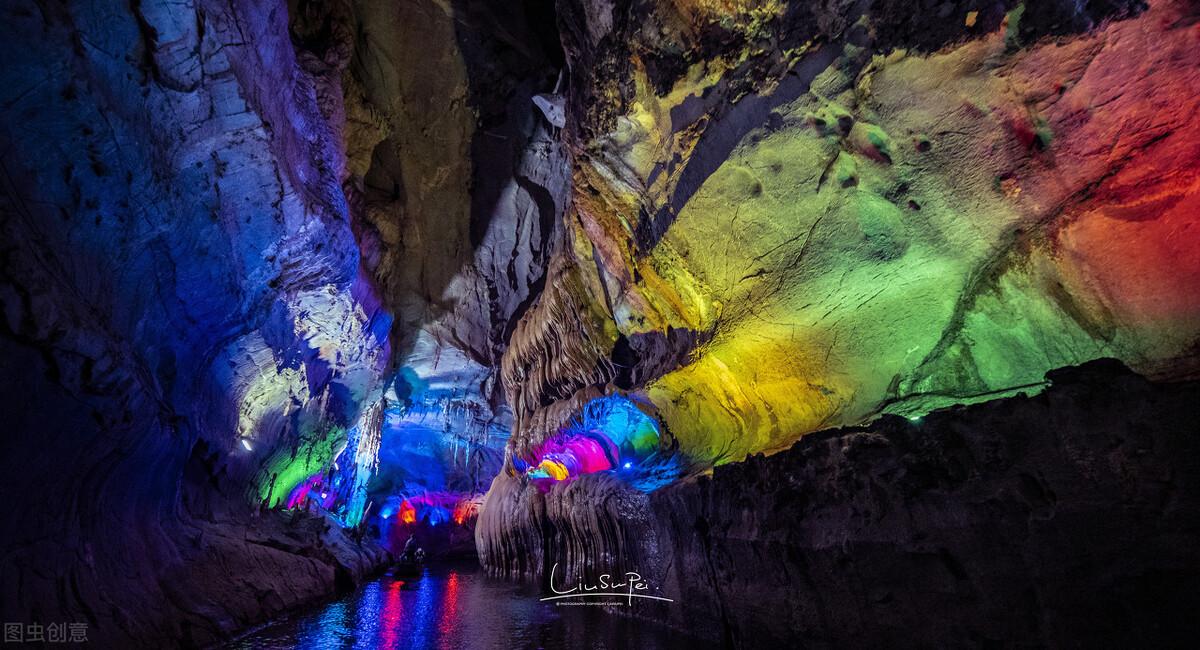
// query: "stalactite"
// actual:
[[365, 461], [558, 355]]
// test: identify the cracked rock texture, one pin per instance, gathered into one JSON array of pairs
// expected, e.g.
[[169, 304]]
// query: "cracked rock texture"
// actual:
[[1069, 518], [182, 303], [233, 230], [786, 217], [230, 230]]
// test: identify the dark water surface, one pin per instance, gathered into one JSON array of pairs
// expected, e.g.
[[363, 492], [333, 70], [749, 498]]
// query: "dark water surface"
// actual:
[[454, 607]]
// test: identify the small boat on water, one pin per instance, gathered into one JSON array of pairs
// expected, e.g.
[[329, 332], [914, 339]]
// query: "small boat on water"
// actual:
[[409, 566]]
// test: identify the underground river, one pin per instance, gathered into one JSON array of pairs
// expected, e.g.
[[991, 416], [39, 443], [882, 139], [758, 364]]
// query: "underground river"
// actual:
[[843, 324], [452, 606]]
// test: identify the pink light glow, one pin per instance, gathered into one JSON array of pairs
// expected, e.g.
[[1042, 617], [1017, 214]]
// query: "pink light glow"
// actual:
[[576, 454], [392, 616], [449, 618], [300, 493]]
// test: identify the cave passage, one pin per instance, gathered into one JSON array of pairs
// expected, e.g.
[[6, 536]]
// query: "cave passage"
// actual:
[[600, 323]]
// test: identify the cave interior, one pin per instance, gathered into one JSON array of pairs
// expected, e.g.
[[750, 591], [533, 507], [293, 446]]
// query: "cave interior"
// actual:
[[853, 323]]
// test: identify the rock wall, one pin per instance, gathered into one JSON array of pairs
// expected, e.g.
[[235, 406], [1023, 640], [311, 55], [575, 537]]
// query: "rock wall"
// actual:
[[461, 184], [185, 319], [238, 239], [786, 217], [1062, 519]]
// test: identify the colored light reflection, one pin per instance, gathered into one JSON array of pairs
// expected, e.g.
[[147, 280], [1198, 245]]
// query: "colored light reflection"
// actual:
[[610, 432], [439, 520], [330, 627], [421, 628], [458, 607], [392, 618], [449, 619], [465, 510], [432, 508]]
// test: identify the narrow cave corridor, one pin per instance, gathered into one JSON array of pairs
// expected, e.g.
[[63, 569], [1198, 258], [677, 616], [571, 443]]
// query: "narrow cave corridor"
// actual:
[[600, 323]]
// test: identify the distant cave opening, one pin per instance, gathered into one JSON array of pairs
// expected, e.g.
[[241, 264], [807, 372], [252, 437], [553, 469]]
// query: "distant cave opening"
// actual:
[[405, 476]]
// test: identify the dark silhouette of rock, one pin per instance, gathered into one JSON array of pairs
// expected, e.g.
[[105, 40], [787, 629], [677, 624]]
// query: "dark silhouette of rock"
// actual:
[[1067, 518]]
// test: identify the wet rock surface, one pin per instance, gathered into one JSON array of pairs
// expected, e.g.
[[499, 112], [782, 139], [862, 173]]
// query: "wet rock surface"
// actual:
[[1067, 518], [786, 217], [182, 304], [238, 573], [230, 232], [239, 238]]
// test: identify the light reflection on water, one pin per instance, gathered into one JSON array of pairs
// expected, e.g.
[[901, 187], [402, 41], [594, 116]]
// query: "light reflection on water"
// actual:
[[457, 607]]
